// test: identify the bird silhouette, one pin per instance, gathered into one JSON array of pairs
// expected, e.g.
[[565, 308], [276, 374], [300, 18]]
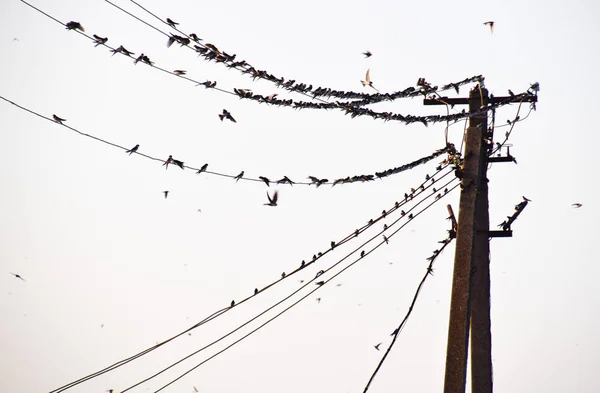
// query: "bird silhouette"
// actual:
[[238, 177], [195, 37], [255, 291], [18, 276], [367, 54], [121, 49], [202, 169], [490, 23], [168, 161], [226, 115], [367, 81], [319, 283], [272, 201], [74, 26], [377, 346], [133, 149], [232, 303], [179, 72], [166, 194], [577, 205], [172, 23], [99, 40], [58, 119], [265, 180]]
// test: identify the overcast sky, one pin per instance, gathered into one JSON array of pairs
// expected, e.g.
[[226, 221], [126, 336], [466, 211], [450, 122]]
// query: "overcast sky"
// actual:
[[111, 267]]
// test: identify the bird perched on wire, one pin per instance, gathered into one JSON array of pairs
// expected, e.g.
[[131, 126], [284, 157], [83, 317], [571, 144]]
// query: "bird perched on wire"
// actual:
[[171, 23], [166, 192], [367, 54], [121, 49], [238, 177], [202, 169], [133, 149], [272, 201], [74, 26], [367, 81], [226, 115], [58, 119], [577, 205], [179, 72], [99, 40], [490, 23]]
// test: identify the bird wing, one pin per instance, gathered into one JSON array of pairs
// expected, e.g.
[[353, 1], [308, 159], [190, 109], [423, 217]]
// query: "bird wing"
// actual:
[[368, 76], [275, 196]]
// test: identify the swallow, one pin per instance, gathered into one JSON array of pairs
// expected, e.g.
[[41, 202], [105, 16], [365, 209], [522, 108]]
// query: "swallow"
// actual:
[[232, 303], [178, 163], [577, 205], [172, 23], [283, 275], [226, 115], [255, 291], [333, 244], [491, 25], [318, 300], [410, 216], [133, 149], [179, 72], [99, 40], [74, 26], [362, 253], [267, 181], [121, 49], [319, 283], [367, 54], [168, 161], [195, 37], [238, 177], [202, 169], [166, 194], [58, 119], [367, 81], [272, 201], [386, 240], [18, 276], [377, 346], [144, 59]]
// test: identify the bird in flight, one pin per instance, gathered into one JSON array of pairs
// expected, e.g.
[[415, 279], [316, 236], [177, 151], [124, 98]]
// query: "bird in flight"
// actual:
[[490, 23], [172, 23], [577, 205], [58, 119], [377, 346], [166, 192], [272, 201], [367, 54], [18, 276], [74, 26], [226, 115], [133, 149], [99, 40], [367, 81], [238, 177]]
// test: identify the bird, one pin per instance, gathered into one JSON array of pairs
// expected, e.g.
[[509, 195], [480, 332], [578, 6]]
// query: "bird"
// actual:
[[178, 163], [121, 49], [74, 26], [319, 283], [195, 37], [202, 168], [18, 276], [255, 291], [367, 54], [265, 179], [362, 253], [133, 149], [283, 275], [166, 193], [367, 81], [377, 346], [168, 161], [386, 240], [272, 201], [99, 40], [58, 119], [577, 205], [172, 23], [232, 303], [226, 115], [490, 23], [179, 72], [318, 300], [238, 177]]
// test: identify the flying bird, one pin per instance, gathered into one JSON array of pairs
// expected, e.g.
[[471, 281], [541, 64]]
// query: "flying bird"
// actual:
[[367, 54], [367, 81], [99, 40], [172, 23], [577, 205], [490, 23], [133, 149], [58, 119], [272, 201], [18, 276], [377, 346], [74, 26], [166, 194], [238, 177], [226, 115]]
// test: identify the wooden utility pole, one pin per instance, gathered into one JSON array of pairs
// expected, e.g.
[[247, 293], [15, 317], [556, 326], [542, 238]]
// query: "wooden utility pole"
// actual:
[[470, 303]]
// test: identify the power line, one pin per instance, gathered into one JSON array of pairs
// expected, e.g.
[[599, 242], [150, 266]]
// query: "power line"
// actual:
[[204, 169]]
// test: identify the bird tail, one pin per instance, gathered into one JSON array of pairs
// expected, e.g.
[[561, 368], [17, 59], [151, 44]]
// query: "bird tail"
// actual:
[[221, 117]]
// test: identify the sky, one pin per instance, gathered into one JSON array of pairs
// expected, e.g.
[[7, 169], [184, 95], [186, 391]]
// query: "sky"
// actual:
[[112, 267]]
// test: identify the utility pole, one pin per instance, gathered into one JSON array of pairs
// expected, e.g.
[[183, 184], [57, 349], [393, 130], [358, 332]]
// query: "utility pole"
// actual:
[[470, 303]]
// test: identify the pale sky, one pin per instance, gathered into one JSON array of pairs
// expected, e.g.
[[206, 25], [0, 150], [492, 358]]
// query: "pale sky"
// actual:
[[111, 267]]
